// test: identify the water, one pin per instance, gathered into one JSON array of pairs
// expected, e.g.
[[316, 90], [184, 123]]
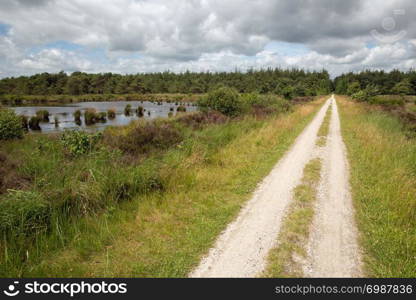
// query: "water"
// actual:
[[64, 113]]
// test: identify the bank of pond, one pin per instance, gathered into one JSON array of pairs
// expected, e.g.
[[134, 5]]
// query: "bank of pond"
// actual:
[[92, 116]]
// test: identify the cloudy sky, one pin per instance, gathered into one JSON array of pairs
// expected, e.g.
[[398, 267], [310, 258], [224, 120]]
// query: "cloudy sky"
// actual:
[[130, 36]]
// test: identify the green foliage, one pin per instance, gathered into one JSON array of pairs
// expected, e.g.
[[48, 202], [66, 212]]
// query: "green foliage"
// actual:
[[225, 100], [140, 111], [394, 82], [127, 110], [34, 123], [25, 122], [111, 113], [403, 87], [10, 125], [79, 142], [23, 212], [77, 115], [353, 88], [78, 83], [43, 115], [287, 92], [181, 108], [90, 116]]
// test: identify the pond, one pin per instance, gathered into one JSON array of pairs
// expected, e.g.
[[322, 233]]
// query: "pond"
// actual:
[[66, 120]]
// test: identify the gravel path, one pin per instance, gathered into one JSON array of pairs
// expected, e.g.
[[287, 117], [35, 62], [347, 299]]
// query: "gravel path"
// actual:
[[333, 248], [241, 249]]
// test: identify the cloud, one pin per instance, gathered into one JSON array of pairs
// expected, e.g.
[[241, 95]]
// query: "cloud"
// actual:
[[145, 35]]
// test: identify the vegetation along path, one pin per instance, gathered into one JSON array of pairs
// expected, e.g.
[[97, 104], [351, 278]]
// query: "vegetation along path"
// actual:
[[242, 249]]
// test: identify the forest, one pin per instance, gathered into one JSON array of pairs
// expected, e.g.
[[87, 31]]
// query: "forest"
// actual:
[[377, 83], [288, 83]]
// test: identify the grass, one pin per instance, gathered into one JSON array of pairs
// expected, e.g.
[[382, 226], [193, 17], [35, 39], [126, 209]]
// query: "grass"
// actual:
[[163, 233], [383, 181], [284, 259], [324, 129]]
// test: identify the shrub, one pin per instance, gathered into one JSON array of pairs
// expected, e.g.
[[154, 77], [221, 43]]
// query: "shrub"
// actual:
[[90, 116], [22, 212], [10, 177], [199, 119], [102, 116], [34, 123], [10, 125], [43, 115], [25, 122], [225, 100], [127, 110], [77, 116], [140, 111], [111, 113], [79, 142], [181, 108], [146, 137], [56, 121]]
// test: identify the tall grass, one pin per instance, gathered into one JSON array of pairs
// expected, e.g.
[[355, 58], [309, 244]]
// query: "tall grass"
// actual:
[[383, 180], [205, 179]]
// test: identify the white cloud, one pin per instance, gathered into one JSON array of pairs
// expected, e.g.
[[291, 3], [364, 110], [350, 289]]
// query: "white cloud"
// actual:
[[201, 34]]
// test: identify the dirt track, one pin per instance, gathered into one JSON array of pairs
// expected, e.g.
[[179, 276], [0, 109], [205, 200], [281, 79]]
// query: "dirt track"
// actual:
[[333, 248], [241, 250]]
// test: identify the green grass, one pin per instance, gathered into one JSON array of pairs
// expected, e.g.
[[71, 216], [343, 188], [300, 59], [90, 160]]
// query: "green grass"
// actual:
[[283, 260], [383, 181], [324, 129], [204, 181]]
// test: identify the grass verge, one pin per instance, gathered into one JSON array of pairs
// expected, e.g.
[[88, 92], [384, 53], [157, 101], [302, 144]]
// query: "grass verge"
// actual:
[[324, 129], [285, 259], [383, 181], [206, 179]]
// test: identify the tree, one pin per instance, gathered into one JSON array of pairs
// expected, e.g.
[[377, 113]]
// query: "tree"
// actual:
[[403, 88]]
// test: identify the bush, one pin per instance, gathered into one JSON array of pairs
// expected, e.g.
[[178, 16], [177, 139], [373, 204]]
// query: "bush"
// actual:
[[77, 116], [25, 122], [225, 100], [102, 116], [43, 115], [90, 116], [79, 142], [127, 110], [24, 212], [181, 108], [10, 125], [34, 123], [146, 137], [199, 119], [140, 111], [111, 113]]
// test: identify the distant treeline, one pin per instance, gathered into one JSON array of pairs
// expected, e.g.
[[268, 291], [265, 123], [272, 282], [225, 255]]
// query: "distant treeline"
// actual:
[[377, 83], [286, 82]]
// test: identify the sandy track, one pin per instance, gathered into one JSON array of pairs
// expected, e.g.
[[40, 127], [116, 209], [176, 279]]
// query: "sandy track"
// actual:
[[241, 250], [333, 247]]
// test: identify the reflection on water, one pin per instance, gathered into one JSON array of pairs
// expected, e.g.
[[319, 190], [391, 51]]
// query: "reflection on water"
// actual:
[[66, 120]]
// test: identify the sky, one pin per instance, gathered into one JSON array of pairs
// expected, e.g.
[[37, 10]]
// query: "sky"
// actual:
[[137, 36]]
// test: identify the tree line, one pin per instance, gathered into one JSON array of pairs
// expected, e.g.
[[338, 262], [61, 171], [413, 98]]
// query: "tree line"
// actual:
[[370, 83], [285, 82]]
